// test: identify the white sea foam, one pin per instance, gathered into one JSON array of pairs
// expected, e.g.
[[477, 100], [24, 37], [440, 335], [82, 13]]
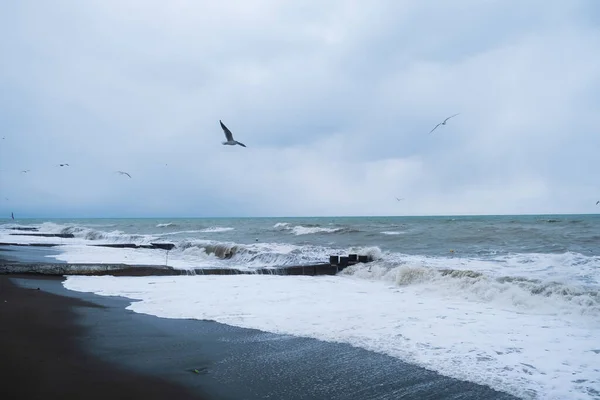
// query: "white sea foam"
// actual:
[[7, 238], [80, 235], [181, 232], [392, 233], [165, 225], [531, 351], [83, 254], [565, 267], [216, 229], [198, 254], [255, 255], [307, 230], [528, 295]]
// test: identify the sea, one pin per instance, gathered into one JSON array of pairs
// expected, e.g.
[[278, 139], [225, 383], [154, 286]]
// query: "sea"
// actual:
[[511, 302]]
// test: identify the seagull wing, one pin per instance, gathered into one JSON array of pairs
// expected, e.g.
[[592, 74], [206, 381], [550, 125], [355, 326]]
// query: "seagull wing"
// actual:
[[435, 127], [123, 173], [452, 116], [240, 143], [228, 133], [598, 202]]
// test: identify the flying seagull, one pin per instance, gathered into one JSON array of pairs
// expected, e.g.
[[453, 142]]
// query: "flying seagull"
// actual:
[[229, 136], [25, 171], [443, 123], [399, 199], [123, 173], [598, 202], [63, 165]]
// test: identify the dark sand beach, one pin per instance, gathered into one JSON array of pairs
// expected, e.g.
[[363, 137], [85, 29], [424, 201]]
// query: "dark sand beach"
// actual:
[[40, 358]]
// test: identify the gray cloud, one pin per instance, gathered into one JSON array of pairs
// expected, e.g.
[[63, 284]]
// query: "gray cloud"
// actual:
[[334, 101]]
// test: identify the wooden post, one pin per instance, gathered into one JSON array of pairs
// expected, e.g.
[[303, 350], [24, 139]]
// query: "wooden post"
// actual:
[[363, 259], [343, 261], [334, 260], [352, 257]]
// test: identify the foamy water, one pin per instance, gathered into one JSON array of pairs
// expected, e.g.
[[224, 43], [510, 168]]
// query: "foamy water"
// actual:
[[526, 348]]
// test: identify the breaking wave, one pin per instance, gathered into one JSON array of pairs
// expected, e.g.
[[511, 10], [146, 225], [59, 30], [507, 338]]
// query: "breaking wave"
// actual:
[[90, 234], [310, 229], [216, 229], [166, 225], [520, 292], [265, 254]]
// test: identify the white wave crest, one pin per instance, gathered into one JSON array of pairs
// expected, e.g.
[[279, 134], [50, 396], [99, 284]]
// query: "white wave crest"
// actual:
[[308, 230], [520, 293], [216, 229], [165, 225], [256, 255], [77, 234]]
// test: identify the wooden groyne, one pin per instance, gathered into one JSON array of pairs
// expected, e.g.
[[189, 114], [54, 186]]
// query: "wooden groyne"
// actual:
[[163, 246], [335, 265]]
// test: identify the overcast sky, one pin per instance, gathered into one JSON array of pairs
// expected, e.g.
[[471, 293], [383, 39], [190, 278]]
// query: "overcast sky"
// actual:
[[334, 100]]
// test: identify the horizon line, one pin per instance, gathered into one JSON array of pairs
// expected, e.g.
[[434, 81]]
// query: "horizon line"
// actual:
[[312, 216]]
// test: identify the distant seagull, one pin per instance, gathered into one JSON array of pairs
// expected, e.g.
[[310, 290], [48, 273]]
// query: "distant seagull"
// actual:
[[399, 199], [598, 202], [25, 171], [63, 165], [443, 123], [12, 215], [229, 136], [123, 173]]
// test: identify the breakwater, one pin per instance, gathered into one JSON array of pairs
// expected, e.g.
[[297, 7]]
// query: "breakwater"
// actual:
[[336, 264]]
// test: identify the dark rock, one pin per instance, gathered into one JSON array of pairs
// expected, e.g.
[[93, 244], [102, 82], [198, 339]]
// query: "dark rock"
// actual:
[[31, 244], [343, 261], [59, 235]]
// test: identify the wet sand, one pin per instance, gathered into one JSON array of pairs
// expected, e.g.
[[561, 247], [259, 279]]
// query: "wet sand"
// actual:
[[40, 357]]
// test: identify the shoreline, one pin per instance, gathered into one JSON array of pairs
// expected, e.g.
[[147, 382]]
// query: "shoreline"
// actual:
[[232, 363]]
